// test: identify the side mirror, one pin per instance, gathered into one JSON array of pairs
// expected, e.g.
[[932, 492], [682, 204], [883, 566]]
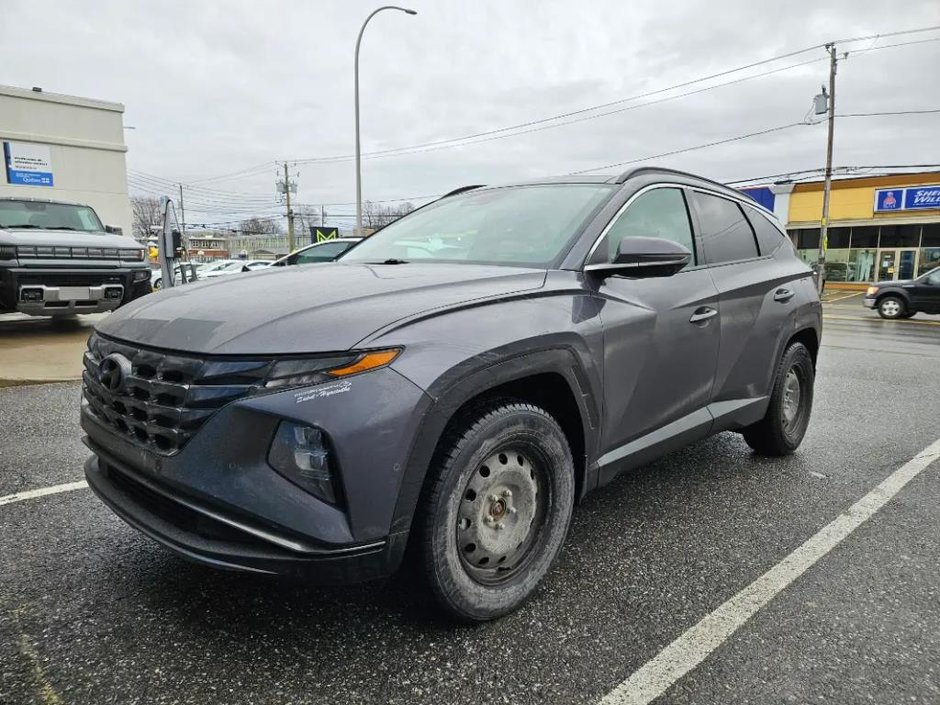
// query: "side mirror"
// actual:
[[245, 268], [113, 229], [644, 257]]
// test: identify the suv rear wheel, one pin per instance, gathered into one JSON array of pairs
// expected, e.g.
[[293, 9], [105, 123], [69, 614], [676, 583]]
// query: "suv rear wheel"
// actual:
[[781, 430], [498, 510]]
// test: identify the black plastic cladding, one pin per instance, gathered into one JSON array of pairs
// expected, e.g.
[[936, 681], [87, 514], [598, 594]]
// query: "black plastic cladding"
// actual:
[[166, 398]]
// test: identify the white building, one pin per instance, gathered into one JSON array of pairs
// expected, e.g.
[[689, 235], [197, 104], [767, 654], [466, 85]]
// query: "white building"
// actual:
[[65, 149]]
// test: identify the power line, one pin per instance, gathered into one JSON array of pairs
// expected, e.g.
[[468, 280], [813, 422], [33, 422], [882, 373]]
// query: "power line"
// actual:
[[779, 128], [462, 141], [894, 112]]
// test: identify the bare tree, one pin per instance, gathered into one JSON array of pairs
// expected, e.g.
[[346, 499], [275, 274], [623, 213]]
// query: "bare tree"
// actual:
[[306, 217], [259, 226], [146, 213], [375, 215]]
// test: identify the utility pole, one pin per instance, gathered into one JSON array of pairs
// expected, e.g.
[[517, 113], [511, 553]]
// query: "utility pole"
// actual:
[[182, 214], [290, 213], [827, 184]]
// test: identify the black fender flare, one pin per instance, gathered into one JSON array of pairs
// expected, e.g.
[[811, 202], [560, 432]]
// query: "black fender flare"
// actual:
[[473, 378]]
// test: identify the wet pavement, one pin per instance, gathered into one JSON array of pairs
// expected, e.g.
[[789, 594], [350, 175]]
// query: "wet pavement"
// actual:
[[93, 612]]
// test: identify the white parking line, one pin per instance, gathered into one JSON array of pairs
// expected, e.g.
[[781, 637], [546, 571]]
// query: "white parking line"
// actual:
[[42, 492], [844, 297], [694, 646]]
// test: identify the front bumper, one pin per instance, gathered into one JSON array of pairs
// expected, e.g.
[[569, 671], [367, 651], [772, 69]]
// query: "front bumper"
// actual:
[[217, 501], [46, 291], [869, 303]]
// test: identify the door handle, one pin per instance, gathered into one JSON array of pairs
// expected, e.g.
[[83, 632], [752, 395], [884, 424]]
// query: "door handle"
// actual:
[[703, 314], [783, 295]]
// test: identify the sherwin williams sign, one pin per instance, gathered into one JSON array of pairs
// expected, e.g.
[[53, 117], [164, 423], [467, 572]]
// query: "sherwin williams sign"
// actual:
[[28, 164], [907, 199]]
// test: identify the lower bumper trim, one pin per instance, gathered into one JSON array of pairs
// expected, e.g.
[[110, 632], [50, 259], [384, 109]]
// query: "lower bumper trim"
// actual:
[[206, 540]]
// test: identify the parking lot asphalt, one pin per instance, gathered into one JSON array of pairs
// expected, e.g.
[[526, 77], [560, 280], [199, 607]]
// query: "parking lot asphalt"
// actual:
[[92, 612]]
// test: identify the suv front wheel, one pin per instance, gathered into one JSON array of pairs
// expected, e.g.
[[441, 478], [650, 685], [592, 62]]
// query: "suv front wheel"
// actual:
[[497, 512], [781, 430], [892, 307]]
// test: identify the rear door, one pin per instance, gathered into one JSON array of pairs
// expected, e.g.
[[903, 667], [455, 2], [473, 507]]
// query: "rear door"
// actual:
[[757, 299], [660, 336]]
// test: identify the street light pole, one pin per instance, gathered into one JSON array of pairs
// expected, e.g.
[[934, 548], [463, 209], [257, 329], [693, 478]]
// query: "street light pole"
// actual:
[[827, 185], [358, 158]]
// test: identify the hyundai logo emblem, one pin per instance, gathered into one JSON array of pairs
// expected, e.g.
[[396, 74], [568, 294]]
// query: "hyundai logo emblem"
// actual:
[[113, 372]]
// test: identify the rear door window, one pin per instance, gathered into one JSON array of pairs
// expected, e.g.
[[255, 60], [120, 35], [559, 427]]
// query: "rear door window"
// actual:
[[726, 234]]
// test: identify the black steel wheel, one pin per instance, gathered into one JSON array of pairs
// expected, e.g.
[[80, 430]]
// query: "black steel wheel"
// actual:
[[497, 510], [781, 430]]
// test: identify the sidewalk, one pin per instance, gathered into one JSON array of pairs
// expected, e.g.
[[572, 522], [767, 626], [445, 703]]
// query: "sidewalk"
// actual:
[[37, 350]]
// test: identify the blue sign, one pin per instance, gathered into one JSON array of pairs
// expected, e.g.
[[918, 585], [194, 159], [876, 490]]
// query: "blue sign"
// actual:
[[29, 178], [761, 194], [906, 199], [917, 197]]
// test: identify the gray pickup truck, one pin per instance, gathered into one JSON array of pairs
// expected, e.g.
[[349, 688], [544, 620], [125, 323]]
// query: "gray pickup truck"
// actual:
[[57, 259]]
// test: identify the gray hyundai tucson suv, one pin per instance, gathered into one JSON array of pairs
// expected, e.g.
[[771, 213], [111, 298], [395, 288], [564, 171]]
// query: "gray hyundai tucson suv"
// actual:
[[456, 382]]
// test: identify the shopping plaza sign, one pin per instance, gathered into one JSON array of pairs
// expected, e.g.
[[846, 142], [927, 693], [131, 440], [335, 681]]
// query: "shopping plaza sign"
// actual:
[[28, 164], [907, 199]]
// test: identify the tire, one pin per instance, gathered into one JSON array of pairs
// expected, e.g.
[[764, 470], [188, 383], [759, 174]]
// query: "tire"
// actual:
[[781, 430], [496, 512], [158, 284], [891, 307]]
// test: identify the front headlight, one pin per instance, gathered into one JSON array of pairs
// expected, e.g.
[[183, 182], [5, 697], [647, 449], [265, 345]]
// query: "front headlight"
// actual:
[[296, 373], [132, 255], [7, 252], [871, 291]]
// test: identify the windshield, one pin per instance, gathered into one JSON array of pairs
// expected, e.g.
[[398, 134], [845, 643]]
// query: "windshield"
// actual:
[[49, 216], [520, 225]]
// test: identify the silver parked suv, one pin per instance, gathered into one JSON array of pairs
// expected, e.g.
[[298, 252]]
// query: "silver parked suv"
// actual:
[[58, 259], [457, 381]]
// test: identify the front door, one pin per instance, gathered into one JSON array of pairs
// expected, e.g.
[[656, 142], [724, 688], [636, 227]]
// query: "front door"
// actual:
[[925, 292], [895, 264], [660, 335]]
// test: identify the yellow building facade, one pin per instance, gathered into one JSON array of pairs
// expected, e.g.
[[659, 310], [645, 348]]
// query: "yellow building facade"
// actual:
[[880, 227]]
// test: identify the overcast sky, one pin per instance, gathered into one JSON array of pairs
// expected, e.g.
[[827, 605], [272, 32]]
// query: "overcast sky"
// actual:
[[214, 88]]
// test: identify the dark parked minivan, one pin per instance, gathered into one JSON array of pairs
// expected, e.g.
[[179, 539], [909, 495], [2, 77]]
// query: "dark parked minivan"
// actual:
[[461, 379]]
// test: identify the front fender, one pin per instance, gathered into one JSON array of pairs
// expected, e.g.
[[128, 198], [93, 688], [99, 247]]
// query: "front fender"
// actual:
[[477, 376]]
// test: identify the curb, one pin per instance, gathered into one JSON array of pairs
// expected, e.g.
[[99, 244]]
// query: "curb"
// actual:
[[27, 382]]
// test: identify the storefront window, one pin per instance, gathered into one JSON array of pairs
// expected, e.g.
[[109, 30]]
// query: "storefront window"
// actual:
[[865, 236], [837, 238], [861, 266], [931, 237], [900, 236], [837, 265], [929, 259]]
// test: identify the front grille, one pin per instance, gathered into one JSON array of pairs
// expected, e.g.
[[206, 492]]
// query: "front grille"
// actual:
[[68, 279], [165, 398]]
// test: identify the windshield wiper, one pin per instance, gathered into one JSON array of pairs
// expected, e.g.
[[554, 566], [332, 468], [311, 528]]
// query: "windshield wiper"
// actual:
[[391, 260], [61, 227], [21, 225]]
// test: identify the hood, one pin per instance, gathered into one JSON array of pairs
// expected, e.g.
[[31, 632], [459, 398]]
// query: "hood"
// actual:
[[314, 308], [65, 238]]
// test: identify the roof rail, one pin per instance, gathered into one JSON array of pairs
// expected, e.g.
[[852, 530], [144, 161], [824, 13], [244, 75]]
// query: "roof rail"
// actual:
[[462, 189]]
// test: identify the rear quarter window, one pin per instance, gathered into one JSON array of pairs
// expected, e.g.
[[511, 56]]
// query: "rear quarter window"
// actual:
[[769, 237]]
